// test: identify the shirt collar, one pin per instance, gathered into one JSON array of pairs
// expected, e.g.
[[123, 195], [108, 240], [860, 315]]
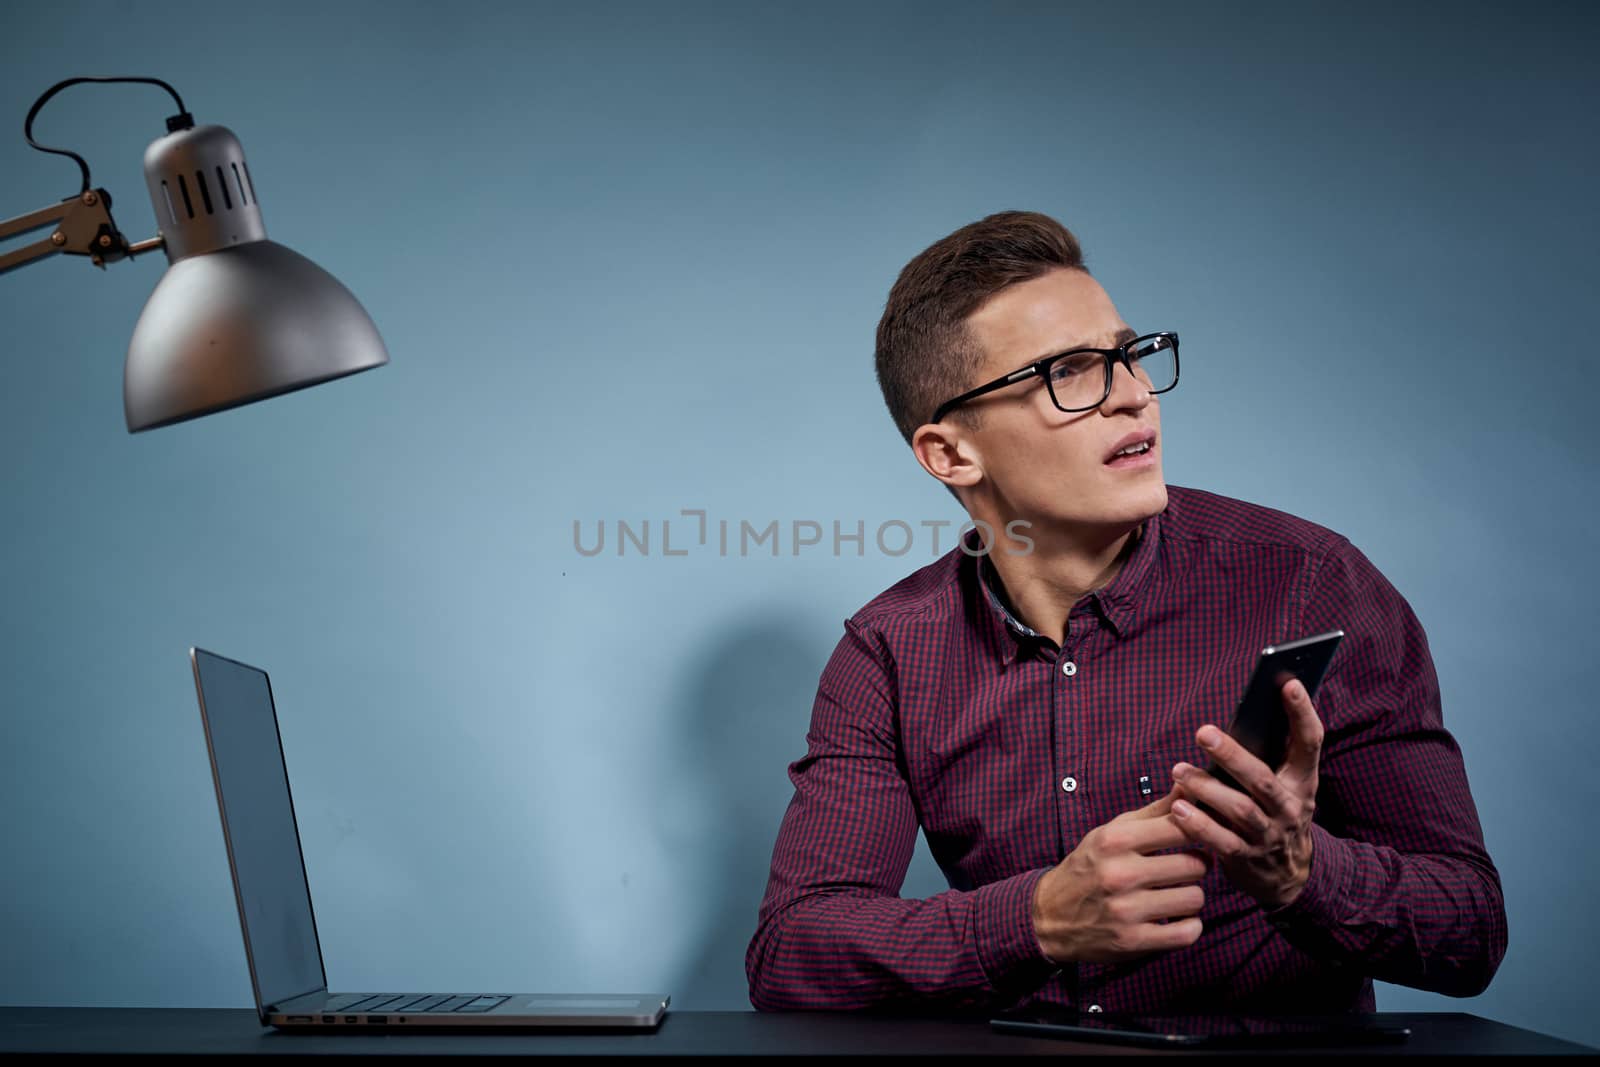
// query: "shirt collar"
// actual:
[[1116, 603], [989, 582]]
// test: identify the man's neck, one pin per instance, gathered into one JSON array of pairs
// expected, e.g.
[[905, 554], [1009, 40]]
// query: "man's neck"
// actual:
[[1043, 585]]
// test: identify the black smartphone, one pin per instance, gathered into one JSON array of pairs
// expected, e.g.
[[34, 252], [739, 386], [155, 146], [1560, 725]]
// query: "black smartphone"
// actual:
[[1188, 1031], [1259, 723]]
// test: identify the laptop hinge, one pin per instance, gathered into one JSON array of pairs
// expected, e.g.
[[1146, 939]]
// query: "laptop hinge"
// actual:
[[316, 996]]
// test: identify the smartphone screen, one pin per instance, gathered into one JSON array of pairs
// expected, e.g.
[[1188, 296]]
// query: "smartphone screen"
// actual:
[[1260, 723]]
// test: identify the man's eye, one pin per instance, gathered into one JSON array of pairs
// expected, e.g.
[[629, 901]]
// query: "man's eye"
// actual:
[[1071, 366]]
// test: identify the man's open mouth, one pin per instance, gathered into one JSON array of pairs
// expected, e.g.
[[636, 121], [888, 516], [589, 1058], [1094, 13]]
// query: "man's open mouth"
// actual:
[[1132, 448]]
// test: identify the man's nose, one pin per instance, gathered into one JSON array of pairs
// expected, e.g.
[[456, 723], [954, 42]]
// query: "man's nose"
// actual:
[[1127, 391]]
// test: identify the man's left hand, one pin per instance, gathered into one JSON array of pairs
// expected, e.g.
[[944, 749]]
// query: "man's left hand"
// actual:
[[1262, 836]]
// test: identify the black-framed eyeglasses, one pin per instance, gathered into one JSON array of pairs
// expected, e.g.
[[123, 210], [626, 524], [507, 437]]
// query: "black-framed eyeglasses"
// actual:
[[1080, 380]]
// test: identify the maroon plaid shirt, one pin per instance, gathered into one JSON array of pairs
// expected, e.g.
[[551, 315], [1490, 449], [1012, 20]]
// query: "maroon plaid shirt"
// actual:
[[938, 708]]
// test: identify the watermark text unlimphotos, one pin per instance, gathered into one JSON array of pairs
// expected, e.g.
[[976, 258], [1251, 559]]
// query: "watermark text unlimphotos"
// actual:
[[694, 532]]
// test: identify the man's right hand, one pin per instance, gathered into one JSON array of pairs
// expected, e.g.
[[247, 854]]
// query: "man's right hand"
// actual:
[[1102, 902]]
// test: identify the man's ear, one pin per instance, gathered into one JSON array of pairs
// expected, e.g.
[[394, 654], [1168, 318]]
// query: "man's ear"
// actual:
[[948, 453]]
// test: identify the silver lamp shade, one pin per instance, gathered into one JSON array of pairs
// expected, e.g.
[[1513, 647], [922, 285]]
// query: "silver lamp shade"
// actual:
[[236, 318]]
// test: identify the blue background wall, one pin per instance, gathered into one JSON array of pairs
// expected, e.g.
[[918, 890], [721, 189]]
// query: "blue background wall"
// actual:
[[628, 261]]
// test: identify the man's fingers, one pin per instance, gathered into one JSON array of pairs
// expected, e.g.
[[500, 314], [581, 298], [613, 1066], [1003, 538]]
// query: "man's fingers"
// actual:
[[1179, 902], [1239, 810], [1255, 778], [1167, 937], [1203, 830], [1305, 732], [1178, 868], [1155, 809], [1144, 835]]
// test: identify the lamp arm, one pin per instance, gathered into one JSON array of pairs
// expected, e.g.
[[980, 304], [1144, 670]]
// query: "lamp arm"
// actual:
[[85, 228]]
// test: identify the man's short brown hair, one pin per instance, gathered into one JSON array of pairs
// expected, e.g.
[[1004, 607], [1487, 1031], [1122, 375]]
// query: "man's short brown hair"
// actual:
[[925, 355]]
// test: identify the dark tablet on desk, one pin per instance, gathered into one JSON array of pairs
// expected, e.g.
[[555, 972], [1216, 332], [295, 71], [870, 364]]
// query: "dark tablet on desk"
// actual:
[[1190, 1031]]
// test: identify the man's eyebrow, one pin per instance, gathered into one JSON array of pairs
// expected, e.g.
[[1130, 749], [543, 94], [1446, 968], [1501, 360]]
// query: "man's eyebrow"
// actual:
[[1121, 337]]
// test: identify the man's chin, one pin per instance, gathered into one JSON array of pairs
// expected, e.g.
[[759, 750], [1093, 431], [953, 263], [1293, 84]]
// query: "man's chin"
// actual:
[[1157, 499], [1131, 505], [1113, 514]]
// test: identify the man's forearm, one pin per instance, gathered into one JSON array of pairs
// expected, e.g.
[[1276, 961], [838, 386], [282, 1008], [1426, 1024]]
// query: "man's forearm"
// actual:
[[1431, 922], [846, 949]]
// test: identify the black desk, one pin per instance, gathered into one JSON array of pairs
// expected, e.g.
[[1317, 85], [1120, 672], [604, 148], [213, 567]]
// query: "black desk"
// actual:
[[172, 1031]]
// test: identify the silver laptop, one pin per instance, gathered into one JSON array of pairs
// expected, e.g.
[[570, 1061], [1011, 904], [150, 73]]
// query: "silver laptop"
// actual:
[[269, 880]]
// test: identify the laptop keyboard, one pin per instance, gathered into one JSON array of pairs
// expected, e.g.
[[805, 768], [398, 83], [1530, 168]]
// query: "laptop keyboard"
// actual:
[[413, 1003]]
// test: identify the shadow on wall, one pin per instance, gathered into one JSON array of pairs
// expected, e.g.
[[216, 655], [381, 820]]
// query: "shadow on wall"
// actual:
[[744, 718]]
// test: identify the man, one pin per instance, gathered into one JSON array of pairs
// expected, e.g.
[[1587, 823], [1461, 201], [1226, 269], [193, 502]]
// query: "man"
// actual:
[[1041, 701]]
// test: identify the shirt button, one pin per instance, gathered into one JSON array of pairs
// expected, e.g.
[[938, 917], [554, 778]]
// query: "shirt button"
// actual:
[[1069, 783], [1094, 1007], [1069, 668]]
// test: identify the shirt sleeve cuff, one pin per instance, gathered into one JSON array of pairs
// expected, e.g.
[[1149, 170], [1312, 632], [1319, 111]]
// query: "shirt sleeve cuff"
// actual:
[[1327, 889], [1008, 950]]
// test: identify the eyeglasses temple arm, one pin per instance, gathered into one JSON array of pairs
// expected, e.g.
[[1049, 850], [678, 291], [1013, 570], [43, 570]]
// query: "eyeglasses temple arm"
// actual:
[[999, 383]]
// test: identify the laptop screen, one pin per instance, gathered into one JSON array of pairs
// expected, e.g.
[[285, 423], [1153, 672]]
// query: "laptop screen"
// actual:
[[269, 875]]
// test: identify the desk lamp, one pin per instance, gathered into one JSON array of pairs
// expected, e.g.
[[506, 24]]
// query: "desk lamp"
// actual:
[[236, 318]]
